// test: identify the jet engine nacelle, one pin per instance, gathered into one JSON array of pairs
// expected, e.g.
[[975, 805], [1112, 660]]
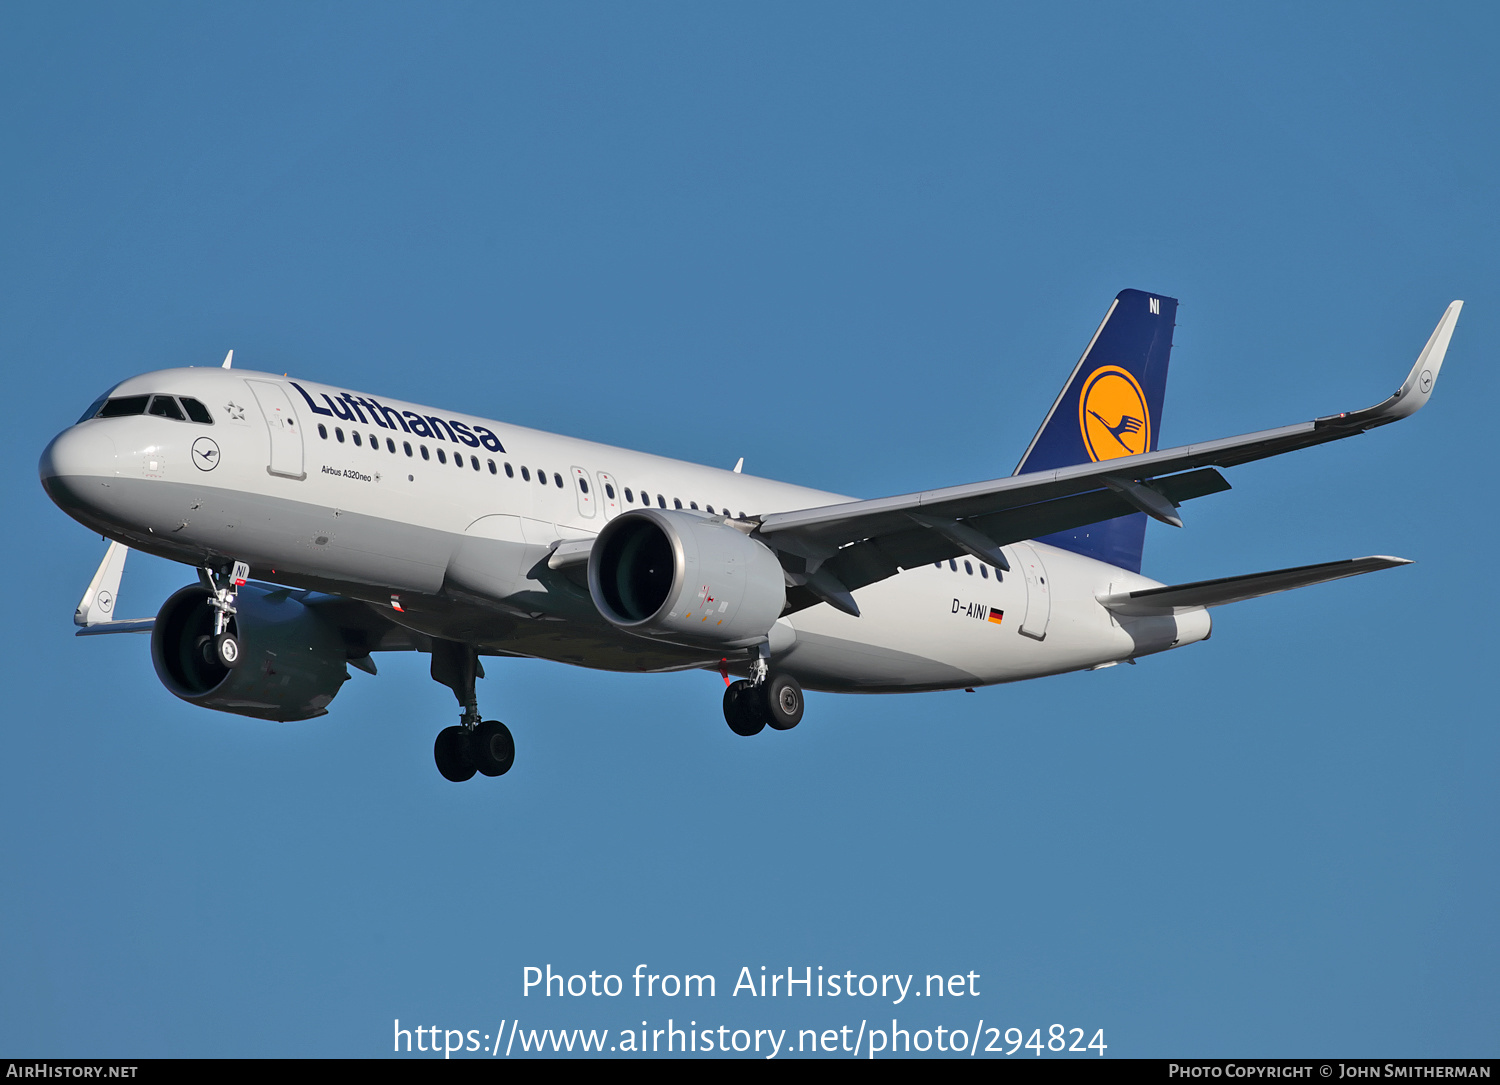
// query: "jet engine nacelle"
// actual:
[[686, 578], [291, 664]]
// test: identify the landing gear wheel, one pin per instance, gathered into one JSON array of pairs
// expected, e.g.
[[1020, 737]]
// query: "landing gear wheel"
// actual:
[[227, 650], [742, 709], [781, 701], [492, 748], [451, 752]]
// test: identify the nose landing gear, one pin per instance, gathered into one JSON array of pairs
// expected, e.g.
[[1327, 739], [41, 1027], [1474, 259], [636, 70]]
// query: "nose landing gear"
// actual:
[[224, 645]]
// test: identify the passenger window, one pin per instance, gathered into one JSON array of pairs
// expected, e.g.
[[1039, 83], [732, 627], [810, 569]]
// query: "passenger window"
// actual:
[[474, 463], [322, 431], [541, 476], [425, 456], [355, 435], [953, 565], [124, 407], [609, 490], [492, 467], [510, 472], [525, 474], [584, 486], [677, 502], [406, 445], [557, 479], [629, 497], [197, 411], [694, 504], [660, 500], [338, 431], [968, 568], [166, 407], [984, 572], [709, 508]]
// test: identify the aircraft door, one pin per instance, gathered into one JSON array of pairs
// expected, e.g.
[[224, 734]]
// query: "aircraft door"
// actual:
[[585, 487], [609, 496], [286, 434], [1038, 595]]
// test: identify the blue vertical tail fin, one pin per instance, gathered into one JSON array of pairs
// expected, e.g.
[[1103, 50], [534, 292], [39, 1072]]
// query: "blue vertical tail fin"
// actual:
[[1111, 406]]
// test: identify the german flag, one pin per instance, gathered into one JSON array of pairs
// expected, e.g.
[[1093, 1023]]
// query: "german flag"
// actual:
[[997, 615]]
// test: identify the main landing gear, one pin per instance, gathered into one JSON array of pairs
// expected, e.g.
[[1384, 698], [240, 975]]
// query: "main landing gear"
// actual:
[[474, 745], [752, 703]]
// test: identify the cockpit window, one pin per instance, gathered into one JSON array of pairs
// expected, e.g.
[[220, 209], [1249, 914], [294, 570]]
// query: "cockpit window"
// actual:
[[160, 406], [165, 407], [123, 407], [94, 408]]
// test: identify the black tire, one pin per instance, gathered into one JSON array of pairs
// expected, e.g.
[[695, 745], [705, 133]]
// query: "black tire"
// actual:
[[492, 748], [741, 710], [227, 650], [781, 701], [451, 752]]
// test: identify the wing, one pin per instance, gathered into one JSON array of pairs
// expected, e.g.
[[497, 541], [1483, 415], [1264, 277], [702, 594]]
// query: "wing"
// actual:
[[360, 625], [95, 613], [831, 551]]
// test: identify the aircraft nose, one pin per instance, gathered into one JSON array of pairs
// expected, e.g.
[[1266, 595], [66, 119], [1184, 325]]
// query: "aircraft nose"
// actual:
[[76, 454]]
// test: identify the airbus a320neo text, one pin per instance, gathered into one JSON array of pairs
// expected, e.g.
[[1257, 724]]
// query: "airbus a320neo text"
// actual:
[[328, 525]]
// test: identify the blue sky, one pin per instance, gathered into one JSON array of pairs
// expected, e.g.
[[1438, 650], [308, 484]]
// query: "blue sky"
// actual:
[[861, 246]]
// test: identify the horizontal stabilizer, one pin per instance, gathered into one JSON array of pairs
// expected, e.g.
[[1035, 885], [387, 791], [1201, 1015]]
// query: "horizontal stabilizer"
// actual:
[[1178, 598]]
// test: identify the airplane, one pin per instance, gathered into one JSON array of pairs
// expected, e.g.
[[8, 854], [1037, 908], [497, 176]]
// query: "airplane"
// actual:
[[327, 525]]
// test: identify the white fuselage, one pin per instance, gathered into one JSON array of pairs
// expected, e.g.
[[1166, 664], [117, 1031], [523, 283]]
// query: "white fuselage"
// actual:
[[444, 521]]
